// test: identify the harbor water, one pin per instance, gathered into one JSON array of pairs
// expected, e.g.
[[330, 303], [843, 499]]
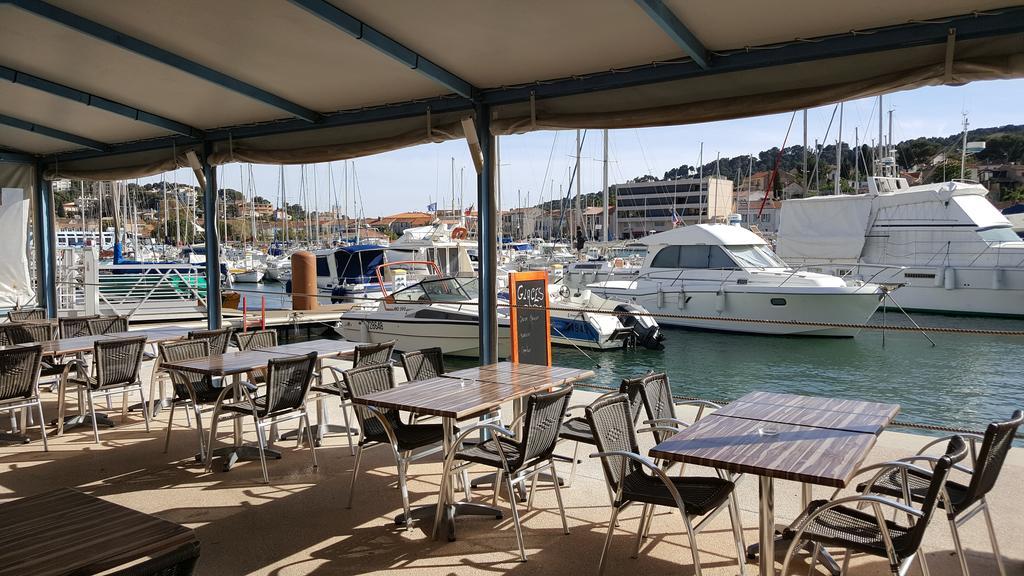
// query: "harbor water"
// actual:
[[965, 380]]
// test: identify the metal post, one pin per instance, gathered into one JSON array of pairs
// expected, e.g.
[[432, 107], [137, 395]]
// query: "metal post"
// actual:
[[487, 239], [604, 212], [45, 233], [212, 243]]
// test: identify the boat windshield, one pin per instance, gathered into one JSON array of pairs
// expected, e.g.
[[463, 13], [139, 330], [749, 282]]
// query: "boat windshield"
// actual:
[[450, 290], [756, 256], [994, 234]]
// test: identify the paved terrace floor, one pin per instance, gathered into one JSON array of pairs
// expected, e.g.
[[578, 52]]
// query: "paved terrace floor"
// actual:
[[299, 524]]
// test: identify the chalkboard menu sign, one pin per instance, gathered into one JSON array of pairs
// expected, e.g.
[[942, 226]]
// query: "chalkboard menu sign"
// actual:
[[530, 319]]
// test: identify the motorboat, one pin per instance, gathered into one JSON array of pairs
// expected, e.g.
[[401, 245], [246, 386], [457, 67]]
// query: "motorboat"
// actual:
[[947, 247], [279, 269], [442, 311], [251, 275], [726, 278]]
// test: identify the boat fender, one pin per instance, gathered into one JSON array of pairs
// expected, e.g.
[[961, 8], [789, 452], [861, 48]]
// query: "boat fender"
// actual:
[[661, 297], [949, 278], [997, 278], [720, 301], [364, 331], [682, 299], [940, 276]]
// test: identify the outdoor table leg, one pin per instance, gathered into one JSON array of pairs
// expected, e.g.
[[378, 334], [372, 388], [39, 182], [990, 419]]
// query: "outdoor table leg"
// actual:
[[768, 538], [240, 451], [63, 421]]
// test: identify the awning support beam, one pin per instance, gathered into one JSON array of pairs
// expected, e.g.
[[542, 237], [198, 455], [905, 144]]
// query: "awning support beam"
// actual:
[[487, 238], [142, 48], [213, 297], [385, 44], [44, 85], [51, 132], [676, 30], [44, 230], [17, 156]]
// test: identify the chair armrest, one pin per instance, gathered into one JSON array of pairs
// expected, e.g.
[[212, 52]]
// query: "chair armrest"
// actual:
[[973, 439], [654, 429], [601, 397], [646, 463], [493, 428], [671, 421], [933, 460], [701, 403]]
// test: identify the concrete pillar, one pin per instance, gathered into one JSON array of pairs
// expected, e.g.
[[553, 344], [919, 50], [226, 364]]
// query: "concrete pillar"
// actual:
[[487, 236], [44, 233], [213, 295]]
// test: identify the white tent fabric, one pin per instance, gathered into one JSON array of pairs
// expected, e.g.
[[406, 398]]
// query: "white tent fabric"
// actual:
[[826, 227], [15, 282]]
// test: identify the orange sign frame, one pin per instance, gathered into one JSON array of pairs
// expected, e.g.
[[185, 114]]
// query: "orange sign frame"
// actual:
[[513, 280]]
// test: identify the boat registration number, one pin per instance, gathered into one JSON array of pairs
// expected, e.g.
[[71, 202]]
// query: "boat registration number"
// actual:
[[375, 325]]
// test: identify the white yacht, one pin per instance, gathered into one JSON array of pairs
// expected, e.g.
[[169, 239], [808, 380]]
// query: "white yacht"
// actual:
[[720, 277], [442, 311], [945, 244]]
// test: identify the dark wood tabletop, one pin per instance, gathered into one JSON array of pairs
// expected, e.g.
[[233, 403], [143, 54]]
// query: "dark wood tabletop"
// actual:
[[838, 414], [224, 364], [75, 345], [526, 374], [67, 532], [324, 348], [155, 335], [808, 454]]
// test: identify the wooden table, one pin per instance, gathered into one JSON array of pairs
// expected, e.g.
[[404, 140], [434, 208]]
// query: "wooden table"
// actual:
[[464, 394], [324, 348], [66, 532], [800, 438], [232, 364]]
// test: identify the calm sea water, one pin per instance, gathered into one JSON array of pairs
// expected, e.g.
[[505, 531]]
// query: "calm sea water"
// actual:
[[964, 380]]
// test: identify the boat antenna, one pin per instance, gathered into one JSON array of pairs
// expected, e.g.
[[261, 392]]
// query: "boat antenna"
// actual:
[[775, 170]]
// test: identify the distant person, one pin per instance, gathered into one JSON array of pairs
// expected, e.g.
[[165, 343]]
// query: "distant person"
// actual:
[[580, 239]]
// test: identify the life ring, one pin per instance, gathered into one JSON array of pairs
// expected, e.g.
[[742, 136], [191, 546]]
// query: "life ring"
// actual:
[[459, 233]]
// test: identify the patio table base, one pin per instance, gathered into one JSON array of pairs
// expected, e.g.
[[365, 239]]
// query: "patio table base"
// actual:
[[232, 454], [427, 513], [85, 420], [782, 541], [8, 438]]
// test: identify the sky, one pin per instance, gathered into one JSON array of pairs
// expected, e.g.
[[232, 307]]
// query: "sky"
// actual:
[[537, 166]]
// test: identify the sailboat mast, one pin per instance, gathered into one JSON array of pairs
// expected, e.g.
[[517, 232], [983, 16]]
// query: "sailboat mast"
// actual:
[[880, 142], [839, 151], [579, 179], [963, 150], [700, 186], [604, 186], [805, 151]]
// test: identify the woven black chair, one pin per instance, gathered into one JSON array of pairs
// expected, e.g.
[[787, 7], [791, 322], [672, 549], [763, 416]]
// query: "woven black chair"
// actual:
[[408, 442], [219, 339], [256, 339], [19, 384], [960, 501], [372, 354], [191, 389], [115, 370], [288, 381], [656, 393], [577, 428], [26, 314], [31, 332], [422, 364], [636, 479], [75, 327], [844, 522], [515, 459], [108, 325]]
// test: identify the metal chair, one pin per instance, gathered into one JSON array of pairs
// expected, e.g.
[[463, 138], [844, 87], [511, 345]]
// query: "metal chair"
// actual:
[[961, 502], [219, 339], [116, 367], [372, 354], [288, 381], [377, 427], [517, 460], [26, 314], [656, 393], [19, 384], [108, 325], [190, 388], [32, 332], [626, 472], [252, 341], [74, 327], [843, 522], [422, 364], [577, 429]]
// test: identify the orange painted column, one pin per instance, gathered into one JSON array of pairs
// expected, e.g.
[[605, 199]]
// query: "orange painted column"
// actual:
[[304, 281]]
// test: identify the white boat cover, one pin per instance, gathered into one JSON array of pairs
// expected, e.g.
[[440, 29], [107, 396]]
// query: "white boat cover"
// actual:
[[15, 282], [829, 227]]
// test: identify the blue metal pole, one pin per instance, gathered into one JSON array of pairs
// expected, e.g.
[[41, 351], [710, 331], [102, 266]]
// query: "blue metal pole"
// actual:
[[213, 301], [45, 235], [486, 236]]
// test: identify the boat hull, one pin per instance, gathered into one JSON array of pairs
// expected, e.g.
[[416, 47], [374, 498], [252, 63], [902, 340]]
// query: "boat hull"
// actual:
[[453, 337], [809, 313], [249, 276]]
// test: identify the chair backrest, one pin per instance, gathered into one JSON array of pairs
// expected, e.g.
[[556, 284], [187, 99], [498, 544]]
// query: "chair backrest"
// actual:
[[19, 371], [545, 412], [994, 448], [117, 361], [370, 354], [26, 314], [30, 332], [656, 393], [288, 380], [633, 389], [613, 432], [186, 350], [108, 325], [956, 451], [256, 339], [367, 380], [75, 326], [218, 339], [423, 364]]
